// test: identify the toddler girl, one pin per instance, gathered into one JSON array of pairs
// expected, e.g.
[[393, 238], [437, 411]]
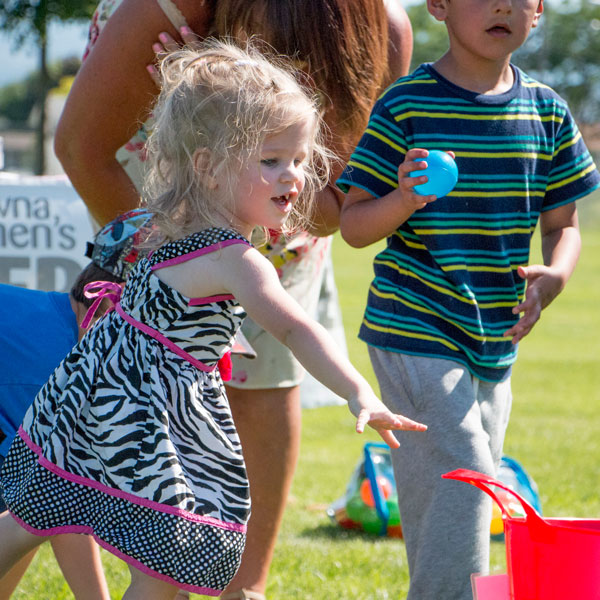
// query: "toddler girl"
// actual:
[[131, 440]]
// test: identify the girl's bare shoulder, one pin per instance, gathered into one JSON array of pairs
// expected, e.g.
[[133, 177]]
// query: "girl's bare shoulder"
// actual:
[[215, 272]]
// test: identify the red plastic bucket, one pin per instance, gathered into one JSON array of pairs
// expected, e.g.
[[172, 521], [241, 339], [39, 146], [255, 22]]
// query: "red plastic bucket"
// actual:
[[547, 559]]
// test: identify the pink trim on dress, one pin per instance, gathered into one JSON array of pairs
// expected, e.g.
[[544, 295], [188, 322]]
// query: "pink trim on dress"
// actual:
[[196, 253], [85, 529], [164, 340], [173, 510], [209, 299]]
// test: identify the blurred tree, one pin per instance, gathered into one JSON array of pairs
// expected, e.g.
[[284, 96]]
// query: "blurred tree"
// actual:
[[563, 52], [29, 19], [430, 37], [18, 99]]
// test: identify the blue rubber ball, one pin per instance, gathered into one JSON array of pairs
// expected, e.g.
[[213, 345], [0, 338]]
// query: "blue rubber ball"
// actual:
[[441, 172]]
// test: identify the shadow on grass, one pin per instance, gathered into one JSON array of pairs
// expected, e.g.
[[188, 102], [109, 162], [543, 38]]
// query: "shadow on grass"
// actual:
[[335, 533]]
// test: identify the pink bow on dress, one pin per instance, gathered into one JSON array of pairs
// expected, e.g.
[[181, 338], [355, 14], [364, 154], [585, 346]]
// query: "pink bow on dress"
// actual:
[[100, 290]]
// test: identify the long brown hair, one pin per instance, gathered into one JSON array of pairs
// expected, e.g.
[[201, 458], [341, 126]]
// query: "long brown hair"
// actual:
[[342, 45]]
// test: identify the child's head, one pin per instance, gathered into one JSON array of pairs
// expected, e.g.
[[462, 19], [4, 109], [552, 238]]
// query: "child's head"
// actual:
[[486, 29], [218, 106]]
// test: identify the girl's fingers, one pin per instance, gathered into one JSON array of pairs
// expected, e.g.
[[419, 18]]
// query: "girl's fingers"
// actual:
[[388, 437], [364, 417], [410, 425], [388, 420], [384, 423]]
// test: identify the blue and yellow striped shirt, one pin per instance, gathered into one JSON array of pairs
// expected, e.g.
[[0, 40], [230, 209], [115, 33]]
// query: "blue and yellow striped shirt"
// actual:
[[447, 281]]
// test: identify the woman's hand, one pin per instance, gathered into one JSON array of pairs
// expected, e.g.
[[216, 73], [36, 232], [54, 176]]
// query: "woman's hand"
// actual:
[[165, 44]]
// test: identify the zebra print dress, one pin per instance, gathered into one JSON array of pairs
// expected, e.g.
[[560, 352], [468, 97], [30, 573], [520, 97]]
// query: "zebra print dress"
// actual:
[[132, 440]]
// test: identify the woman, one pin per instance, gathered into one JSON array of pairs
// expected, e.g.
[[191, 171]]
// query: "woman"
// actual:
[[350, 50]]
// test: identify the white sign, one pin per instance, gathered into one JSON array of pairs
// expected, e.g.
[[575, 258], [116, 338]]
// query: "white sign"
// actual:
[[44, 230]]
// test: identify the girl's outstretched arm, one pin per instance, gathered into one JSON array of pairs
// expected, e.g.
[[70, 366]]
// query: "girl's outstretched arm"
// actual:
[[253, 280]]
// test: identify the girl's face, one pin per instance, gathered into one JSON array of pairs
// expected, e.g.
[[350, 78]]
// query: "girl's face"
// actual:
[[487, 29], [270, 182]]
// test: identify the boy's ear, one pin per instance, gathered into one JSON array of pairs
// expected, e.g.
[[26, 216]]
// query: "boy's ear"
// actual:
[[203, 167], [437, 9], [538, 13]]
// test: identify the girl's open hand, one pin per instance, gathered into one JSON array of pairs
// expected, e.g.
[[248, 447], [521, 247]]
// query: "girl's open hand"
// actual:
[[369, 410]]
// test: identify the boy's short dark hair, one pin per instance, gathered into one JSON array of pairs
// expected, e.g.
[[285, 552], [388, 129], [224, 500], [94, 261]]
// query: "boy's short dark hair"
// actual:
[[90, 274]]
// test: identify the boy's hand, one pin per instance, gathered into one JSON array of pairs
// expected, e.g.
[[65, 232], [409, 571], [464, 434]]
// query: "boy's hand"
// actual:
[[369, 410], [543, 285], [406, 183], [365, 219]]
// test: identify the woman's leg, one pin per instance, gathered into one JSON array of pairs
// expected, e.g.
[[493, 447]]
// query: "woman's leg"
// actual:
[[269, 424], [146, 587], [17, 543], [79, 559]]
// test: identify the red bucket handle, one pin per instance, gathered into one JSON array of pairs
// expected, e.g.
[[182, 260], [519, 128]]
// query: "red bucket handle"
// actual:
[[481, 481]]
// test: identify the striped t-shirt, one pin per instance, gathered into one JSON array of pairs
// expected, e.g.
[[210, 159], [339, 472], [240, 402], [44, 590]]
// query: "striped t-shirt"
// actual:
[[447, 281]]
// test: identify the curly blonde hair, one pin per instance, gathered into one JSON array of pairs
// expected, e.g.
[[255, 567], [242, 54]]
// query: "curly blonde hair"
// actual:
[[227, 100]]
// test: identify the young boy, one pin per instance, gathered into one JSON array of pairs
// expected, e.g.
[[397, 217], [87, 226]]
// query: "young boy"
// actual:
[[448, 304], [37, 330]]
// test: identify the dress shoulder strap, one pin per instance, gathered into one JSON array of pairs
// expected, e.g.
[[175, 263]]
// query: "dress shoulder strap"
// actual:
[[196, 244], [173, 13]]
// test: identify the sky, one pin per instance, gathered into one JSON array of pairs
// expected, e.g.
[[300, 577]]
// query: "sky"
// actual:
[[64, 41]]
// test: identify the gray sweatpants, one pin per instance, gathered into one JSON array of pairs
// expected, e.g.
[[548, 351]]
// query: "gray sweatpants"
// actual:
[[446, 524]]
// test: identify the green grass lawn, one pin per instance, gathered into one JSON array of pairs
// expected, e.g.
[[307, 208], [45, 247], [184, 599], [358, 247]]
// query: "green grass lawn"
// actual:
[[554, 432]]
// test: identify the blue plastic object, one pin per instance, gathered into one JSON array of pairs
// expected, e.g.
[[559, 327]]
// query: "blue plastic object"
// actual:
[[370, 502], [442, 174], [514, 475], [381, 507], [380, 515]]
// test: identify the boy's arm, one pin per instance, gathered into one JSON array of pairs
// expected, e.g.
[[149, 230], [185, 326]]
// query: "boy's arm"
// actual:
[[365, 219], [561, 244]]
